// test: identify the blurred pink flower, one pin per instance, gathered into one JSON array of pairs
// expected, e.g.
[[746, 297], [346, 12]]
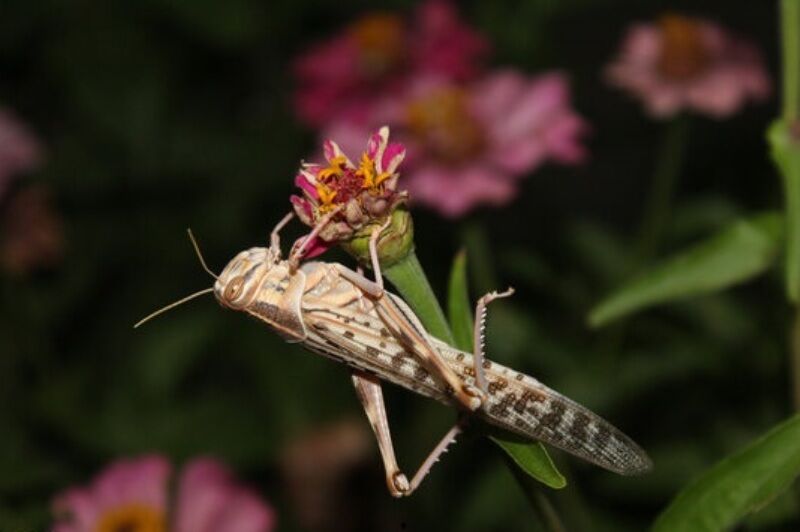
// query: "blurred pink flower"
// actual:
[[127, 495], [209, 500], [19, 149], [469, 145], [377, 53], [688, 63], [359, 194], [133, 495]]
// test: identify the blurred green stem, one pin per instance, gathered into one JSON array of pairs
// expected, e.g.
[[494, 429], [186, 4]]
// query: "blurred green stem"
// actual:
[[544, 509], [474, 236], [409, 278], [790, 36], [786, 150], [794, 346], [656, 217], [665, 178]]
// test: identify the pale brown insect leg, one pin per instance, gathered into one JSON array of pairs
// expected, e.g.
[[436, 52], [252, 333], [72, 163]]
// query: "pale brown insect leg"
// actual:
[[300, 248], [478, 335], [275, 237], [362, 283], [373, 251], [370, 394], [468, 396]]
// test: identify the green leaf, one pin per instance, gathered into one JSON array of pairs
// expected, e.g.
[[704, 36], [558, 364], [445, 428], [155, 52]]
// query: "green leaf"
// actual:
[[409, 278], [786, 154], [531, 457], [739, 484], [459, 309], [742, 250]]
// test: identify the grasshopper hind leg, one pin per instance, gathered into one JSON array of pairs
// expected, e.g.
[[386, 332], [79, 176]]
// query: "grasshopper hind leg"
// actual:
[[479, 336], [370, 394]]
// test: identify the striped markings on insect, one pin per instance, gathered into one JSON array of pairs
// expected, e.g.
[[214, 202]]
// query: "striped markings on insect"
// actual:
[[338, 313]]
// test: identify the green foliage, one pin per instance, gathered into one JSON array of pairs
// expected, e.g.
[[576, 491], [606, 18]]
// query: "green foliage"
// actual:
[[742, 483], [409, 278], [459, 308], [737, 253], [530, 457], [786, 154]]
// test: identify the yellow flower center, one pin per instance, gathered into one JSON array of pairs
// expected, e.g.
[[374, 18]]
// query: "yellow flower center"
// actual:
[[132, 518], [380, 38], [326, 196], [683, 52], [335, 168], [372, 179], [441, 120]]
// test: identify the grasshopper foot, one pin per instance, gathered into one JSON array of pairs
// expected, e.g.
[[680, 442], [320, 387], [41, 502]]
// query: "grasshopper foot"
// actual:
[[399, 485], [476, 396]]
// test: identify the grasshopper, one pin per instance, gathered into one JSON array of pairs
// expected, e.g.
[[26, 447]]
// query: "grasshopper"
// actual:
[[340, 314]]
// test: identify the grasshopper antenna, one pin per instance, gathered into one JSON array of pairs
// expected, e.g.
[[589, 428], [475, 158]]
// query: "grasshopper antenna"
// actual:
[[200, 255], [172, 305]]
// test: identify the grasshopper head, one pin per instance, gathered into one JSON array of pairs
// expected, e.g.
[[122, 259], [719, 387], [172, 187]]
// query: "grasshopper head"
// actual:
[[257, 282], [237, 286]]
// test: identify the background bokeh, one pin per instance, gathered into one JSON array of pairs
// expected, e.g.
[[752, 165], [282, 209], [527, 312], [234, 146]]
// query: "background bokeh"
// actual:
[[161, 115]]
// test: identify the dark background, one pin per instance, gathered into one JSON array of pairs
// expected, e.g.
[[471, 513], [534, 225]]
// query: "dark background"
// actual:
[[160, 115]]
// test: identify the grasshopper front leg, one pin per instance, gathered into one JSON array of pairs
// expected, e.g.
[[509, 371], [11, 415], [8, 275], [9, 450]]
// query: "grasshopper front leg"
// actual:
[[370, 394]]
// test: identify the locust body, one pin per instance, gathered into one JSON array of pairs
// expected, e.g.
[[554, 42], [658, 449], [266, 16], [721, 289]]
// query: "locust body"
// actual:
[[338, 313], [334, 311]]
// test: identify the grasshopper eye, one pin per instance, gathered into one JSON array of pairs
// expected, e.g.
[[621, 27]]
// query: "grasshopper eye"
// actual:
[[234, 288]]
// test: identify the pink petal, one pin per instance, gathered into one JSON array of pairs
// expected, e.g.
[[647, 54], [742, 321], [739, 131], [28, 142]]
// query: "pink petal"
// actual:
[[454, 192], [443, 44], [528, 121], [495, 95], [301, 181], [392, 157], [20, 151], [327, 76], [330, 149], [142, 480], [208, 500], [135, 481], [377, 141], [317, 247]]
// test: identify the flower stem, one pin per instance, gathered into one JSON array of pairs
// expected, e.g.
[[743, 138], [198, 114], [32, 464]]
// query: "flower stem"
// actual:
[[794, 354], [790, 35], [665, 178], [409, 278]]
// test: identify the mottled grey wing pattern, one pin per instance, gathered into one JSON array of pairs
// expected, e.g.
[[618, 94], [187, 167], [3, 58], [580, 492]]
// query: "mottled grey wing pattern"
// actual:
[[516, 402]]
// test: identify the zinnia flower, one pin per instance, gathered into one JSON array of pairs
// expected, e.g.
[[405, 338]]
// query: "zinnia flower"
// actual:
[[134, 496], [356, 194], [19, 149], [469, 145], [343, 75], [688, 63]]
